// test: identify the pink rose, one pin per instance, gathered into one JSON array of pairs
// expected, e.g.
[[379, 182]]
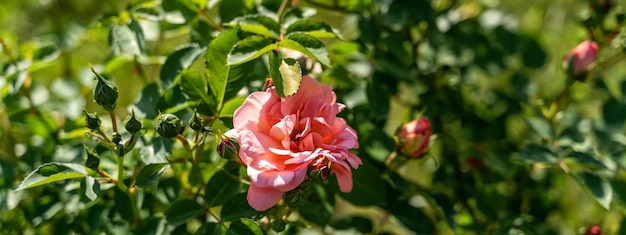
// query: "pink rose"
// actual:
[[280, 137], [413, 138], [579, 58]]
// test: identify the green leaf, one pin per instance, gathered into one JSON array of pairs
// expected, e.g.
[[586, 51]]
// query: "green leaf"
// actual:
[[145, 105], [178, 62], [245, 227], [541, 127], [149, 174], [195, 88], [585, 159], [52, 172], [314, 28], [209, 228], [413, 218], [361, 224], [224, 80], [90, 188], [599, 188], [220, 188], [308, 45], [248, 49], [124, 205], [230, 106], [152, 225], [286, 75], [534, 153], [257, 24], [182, 210], [237, 207], [157, 152], [126, 39]]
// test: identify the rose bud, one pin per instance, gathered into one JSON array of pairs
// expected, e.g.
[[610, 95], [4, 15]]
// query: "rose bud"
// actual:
[[92, 121], [132, 124], [297, 197], [104, 92], [593, 230], [578, 60], [228, 147], [413, 138], [92, 161], [195, 122], [168, 125]]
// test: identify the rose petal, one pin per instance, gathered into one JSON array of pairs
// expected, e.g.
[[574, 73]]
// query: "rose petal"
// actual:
[[344, 178], [263, 198]]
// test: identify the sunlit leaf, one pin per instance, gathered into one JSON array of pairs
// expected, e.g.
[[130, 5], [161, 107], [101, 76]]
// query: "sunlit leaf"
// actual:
[[245, 226], [52, 172], [257, 24], [177, 62], [314, 28], [307, 45], [599, 188], [248, 49], [150, 174], [286, 75]]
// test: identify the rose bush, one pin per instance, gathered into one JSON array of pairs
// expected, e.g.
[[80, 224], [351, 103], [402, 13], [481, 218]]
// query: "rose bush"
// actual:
[[281, 137]]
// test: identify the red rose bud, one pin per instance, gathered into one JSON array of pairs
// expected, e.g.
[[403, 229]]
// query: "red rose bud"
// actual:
[[320, 168], [228, 147], [413, 138], [578, 60], [594, 230]]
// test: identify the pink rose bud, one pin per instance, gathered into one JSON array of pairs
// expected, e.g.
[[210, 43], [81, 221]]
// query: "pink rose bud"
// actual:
[[577, 61], [228, 147], [413, 138], [594, 230]]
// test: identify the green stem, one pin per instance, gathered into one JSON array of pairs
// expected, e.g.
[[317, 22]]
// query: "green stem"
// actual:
[[281, 10], [120, 172], [184, 142]]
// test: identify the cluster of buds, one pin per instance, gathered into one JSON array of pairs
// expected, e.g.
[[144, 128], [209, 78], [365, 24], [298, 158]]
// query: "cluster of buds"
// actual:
[[412, 138], [578, 62]]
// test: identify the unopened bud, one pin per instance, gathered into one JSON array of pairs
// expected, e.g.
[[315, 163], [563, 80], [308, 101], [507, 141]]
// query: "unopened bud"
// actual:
[[594, 230], [413, 138], [195, 122], [92, 160], [169, 126], [577, 62], [105, 93], [92, 121], [320, 169], [297, 198], [278, 225], [228, 147], [116, 138], [132, 124]]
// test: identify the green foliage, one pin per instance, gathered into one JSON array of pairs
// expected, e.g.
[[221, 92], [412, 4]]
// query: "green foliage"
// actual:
[[518, 145]]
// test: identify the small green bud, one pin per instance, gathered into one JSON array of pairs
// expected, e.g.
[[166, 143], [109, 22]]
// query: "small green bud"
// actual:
[[92, 160], [132, 124], [169, 126], [195, 122], [116, 138], [105, 93], [92, 121], [297, 198], [278, 225], [228, 148]]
